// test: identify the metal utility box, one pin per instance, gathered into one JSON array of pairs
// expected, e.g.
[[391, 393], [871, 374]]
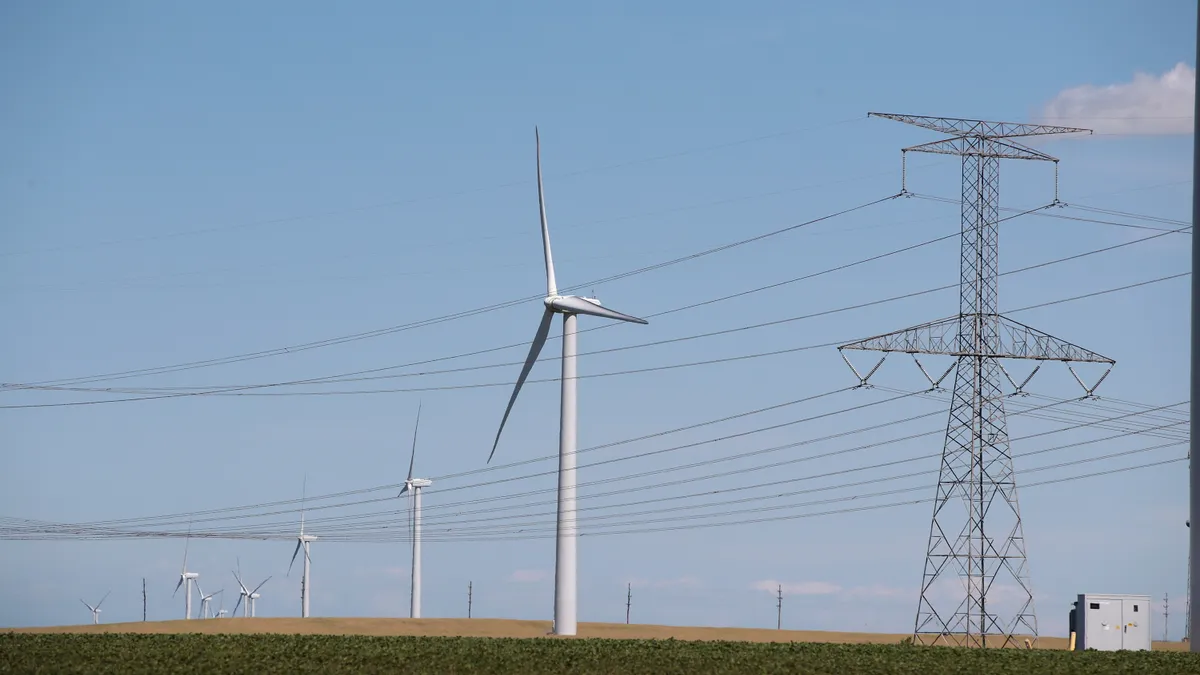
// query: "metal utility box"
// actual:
[[1112, 622]]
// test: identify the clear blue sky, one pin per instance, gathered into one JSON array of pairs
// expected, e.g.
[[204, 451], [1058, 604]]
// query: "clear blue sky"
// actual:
[[185, 183]]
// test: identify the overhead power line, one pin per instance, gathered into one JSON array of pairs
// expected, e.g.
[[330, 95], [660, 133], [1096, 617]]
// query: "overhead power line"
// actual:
[[441, 319], [191, 365], [251, 389], [180, 519], [438, 196]]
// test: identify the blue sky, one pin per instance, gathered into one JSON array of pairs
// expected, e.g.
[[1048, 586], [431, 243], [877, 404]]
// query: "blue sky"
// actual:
[[187, 183]]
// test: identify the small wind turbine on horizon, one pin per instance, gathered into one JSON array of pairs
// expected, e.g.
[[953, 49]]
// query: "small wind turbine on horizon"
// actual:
[[413, 486], [186, 579], [570, 306], [303, 541], [246, 594], [205, 600], [96, 610]]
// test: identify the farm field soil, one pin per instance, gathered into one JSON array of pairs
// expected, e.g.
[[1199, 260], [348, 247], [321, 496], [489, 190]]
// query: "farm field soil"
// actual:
[[510, 628], [128, 653]]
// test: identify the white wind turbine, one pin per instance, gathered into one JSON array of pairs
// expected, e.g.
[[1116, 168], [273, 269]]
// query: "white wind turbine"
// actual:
[[205, 601], [570, 306], [186, 579], [96, 610], [414, 486], [246, 594], [303, 541]]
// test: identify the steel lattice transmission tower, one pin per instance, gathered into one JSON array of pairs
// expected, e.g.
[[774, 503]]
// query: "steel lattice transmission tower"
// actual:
[[976, 477]]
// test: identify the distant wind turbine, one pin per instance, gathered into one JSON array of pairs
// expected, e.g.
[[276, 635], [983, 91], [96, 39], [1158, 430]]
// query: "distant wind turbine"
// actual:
[[205, 600], [570, 306], [414, 485], [245, 593], [96, 610], [186, 579], [303, 541]]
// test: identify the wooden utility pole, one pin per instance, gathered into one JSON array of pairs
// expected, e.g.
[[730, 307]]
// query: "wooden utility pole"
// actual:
[[628, 600], [779, 608], [469, 589]]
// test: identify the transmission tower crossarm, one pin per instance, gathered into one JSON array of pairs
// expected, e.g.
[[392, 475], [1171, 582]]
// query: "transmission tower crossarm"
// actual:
[[982, 147], [1014, 340], [983, 128]]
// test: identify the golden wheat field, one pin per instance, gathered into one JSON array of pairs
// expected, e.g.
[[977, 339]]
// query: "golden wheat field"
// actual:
[[499, 628]]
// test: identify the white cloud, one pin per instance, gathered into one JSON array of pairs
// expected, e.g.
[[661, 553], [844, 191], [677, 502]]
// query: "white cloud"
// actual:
[[797, 587], [1150, 104], [529, 576]]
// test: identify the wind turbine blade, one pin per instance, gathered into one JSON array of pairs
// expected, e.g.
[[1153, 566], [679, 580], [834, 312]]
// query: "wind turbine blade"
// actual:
[[87, 605], [534, 350], [299, 543], [186, 541], [259, 586], [303, 495], [576, 305], [238, 576], [177, 586], [239, 604], [412, 460], [102, 600], [551, 286]]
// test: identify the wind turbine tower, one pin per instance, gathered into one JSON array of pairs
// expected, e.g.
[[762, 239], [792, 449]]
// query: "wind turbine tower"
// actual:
[[186, 579], [963, 560], [414, 486], [246, 594], [570, 307], [303, 541], [96, 610]]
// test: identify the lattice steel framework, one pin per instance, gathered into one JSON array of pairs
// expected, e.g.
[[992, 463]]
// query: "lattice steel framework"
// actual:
[[977, 481]]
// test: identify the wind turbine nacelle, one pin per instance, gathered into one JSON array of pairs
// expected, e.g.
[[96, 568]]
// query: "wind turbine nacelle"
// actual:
[[308, 537], [421, 482], [191, 575], [255, 596], [549, 302]]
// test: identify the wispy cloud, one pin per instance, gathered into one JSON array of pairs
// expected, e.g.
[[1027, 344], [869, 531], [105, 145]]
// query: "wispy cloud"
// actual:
[[528, 576], [797, 587], [1147, 105]]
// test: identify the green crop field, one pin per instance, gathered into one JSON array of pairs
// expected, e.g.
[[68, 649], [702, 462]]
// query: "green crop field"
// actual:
[[193, 653]]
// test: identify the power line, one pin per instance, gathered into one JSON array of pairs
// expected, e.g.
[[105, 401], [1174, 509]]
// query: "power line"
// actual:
[[454, 316], [439, 196], [434, 519], [737, 522], [248, 389]]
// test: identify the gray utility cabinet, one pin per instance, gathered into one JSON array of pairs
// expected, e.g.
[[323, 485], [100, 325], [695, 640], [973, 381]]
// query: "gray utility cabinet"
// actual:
[[1112, 622]]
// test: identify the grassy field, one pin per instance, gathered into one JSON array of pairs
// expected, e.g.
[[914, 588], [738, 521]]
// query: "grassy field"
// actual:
[[103, 653]]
